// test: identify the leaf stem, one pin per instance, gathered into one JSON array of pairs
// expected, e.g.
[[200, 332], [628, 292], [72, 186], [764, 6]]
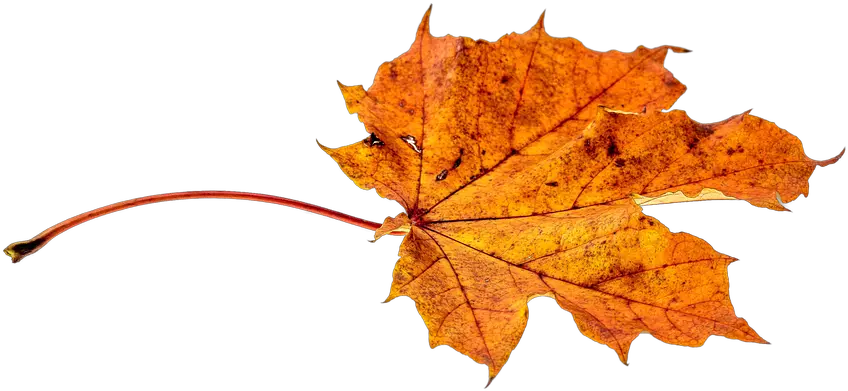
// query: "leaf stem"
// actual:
[[18, 250]]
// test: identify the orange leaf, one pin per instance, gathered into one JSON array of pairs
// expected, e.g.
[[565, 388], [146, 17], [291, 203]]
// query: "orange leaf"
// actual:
[[522, 165]]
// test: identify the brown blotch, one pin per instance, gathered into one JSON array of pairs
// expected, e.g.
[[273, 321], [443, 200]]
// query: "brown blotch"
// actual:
[[458, 160], [670, 82], [442, 175], [612, 149], [703, 130], [373, 140], [694, 143], [738, 149]]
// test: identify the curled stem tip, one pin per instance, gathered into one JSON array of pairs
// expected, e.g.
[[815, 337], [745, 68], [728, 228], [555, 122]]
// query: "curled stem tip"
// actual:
[[19, 250]]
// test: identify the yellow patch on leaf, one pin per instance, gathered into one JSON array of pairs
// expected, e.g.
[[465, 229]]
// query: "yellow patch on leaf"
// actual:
[[399, 223]]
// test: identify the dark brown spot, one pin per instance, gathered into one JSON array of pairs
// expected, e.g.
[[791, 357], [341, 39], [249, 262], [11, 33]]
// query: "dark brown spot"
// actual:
[[458, 160], [694, 143], [619, 163], [740, 149], [651, 222], [730, 151], [612, 149], [373, 140], [760, 161], [402, 103], [442, 175], [505, 79], [552, 184], [483, 152], [392, 73], [513, 152], [411, 112]]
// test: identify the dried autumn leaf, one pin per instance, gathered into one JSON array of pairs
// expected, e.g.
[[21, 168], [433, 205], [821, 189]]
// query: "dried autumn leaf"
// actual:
[[522, 165]]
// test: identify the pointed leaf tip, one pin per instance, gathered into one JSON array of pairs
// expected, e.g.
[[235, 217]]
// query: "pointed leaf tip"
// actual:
[[541, 22], [353, 96], [622, 356], [424, 26], [323, 148]]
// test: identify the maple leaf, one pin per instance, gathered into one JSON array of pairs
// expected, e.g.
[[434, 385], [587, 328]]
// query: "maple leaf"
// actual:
[[522, 165]]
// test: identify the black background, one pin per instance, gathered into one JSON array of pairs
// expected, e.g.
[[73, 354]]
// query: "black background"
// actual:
[[110, 101]]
